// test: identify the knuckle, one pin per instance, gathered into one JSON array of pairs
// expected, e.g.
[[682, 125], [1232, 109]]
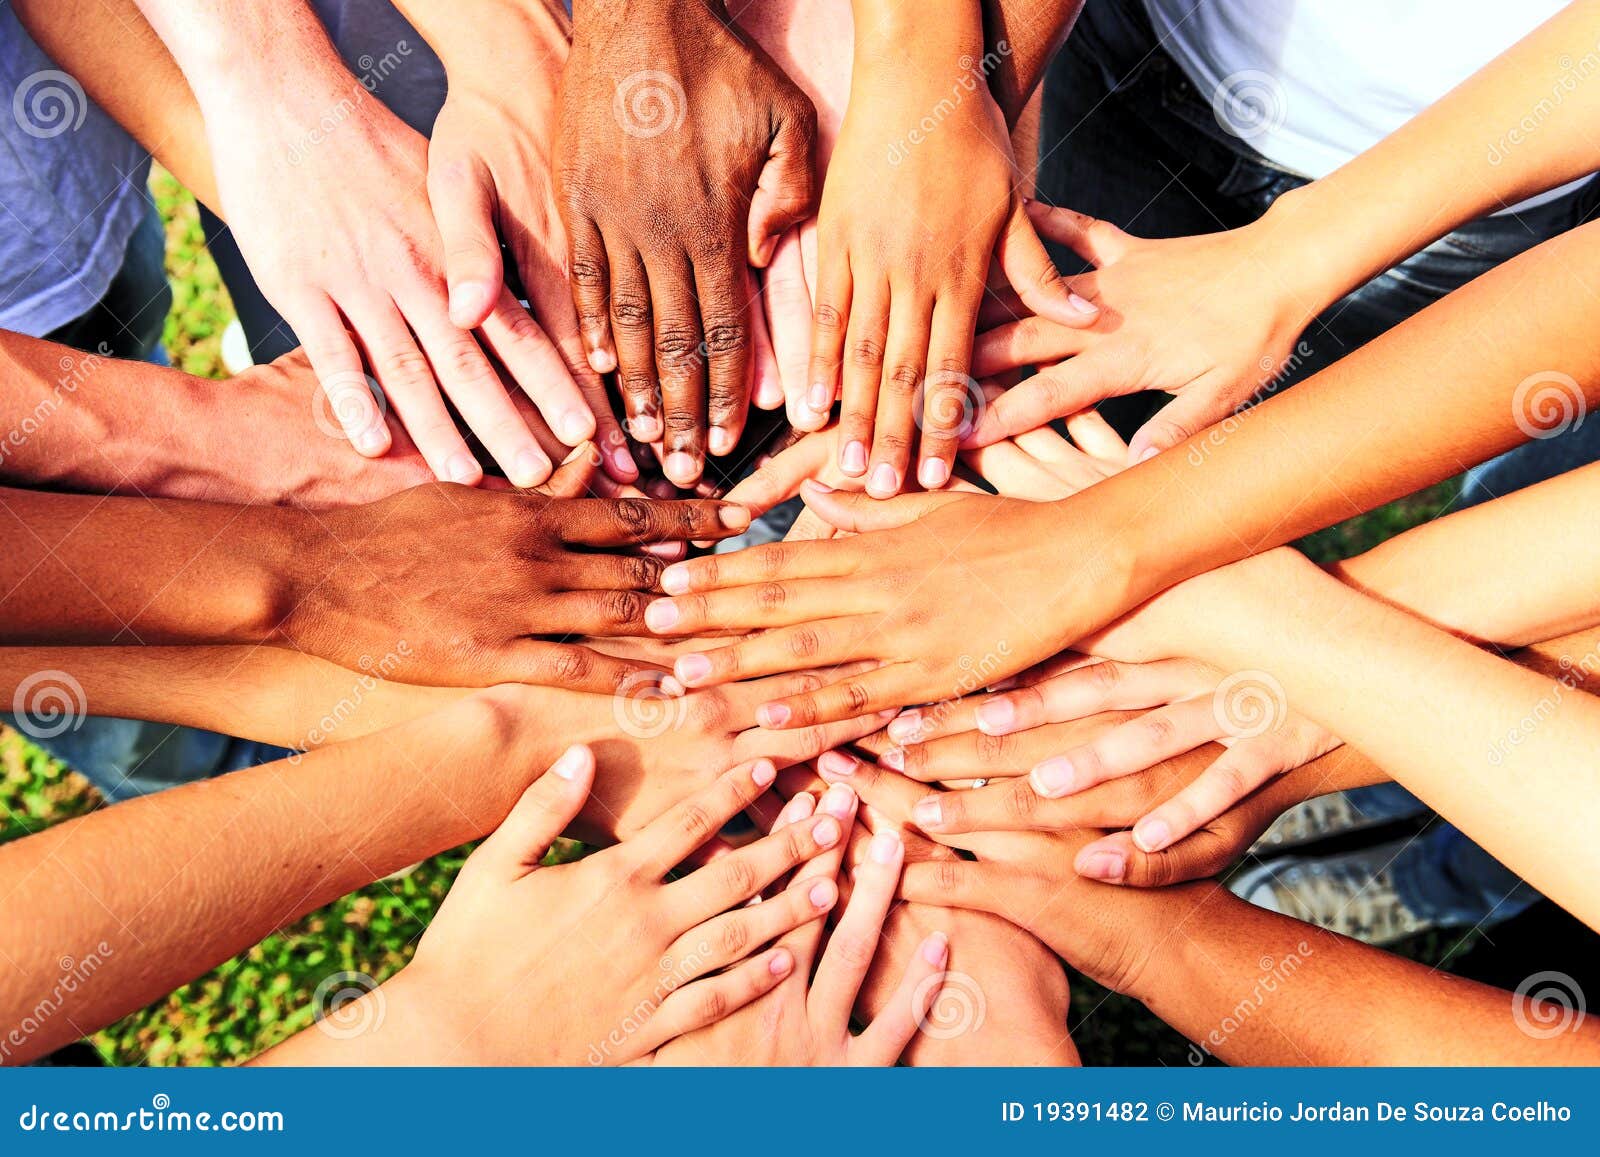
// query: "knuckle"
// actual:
[[903, 380], [1230, 781], [1158, 730], [726, 337], [852, 949], [739, 877], [570, 665], [772, 595], [994, 750], [735, 938], [587, 273], [805, 643], [1022, 802], [828, 317], [854, 697], [631, 311], [1105, 678], [677, 345], [642, 571], [867, 353], [403, 363], [949, 875], [895, 445], [633, 514], [713, 1004], [772, 560], [696, 824], [622, 608]]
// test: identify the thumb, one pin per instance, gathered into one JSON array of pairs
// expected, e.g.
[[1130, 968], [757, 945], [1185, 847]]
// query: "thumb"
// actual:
[[1055, 393], [1035, 277], [1174, 423], [1097, 242], [461, 192], [545, 810], [860, 513], [571, 479], [786, 190]]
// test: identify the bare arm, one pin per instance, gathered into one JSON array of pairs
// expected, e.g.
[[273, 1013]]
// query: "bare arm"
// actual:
[[1020, 38]]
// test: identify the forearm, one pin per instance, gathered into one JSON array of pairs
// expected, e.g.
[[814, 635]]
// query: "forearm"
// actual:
[[163, 888], [1020, 38], [1472, 152], [935, 44], [1513, 571], [1505, 754], [480, 33]]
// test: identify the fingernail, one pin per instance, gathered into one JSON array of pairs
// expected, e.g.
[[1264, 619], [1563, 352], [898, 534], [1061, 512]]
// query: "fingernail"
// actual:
[[837, 763], [1149, 453], [622, 461], [885, 847], [690, 669], [1152, 835], [907, 727], [602, 361], [570, 763], [675, 579], [530, 468], [796, 809], [575, 426], [826, 833], [818, 487], [670, 684], [461, 468], [781, 963], [933, 473], [853, 460], [1082, 305], [884, 482], [772, 715], [372, 441], [661, 615], [1109, 866], [680, 467], [837, 801], [467, 303], [894, 758], [645, 428], [720, 440], [819, 398], [936, 949], [928, 812], [996, 716], [1053, 777], [764, 772], [733, 517], [821, 894]]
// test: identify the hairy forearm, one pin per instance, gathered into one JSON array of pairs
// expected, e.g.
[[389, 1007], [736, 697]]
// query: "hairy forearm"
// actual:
[[479, 33], [1509, 572], [1020, 38], [162, 888]]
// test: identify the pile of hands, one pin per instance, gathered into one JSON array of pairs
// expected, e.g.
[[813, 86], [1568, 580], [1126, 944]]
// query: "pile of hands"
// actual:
[[697, 229]]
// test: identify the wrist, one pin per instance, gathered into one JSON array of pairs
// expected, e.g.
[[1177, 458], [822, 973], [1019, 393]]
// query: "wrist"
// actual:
[[521, 39], [1298, 239], [256, 51], [948, 35]]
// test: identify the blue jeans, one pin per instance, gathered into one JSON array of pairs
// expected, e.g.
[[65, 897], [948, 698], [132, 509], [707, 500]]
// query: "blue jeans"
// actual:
[[126, 757], [1126, 137]]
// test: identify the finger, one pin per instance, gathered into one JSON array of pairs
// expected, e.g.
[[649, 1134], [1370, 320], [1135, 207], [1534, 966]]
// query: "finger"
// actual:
[[806, 941], [789, 317], [590, 270], [950, 399], [773, 652], [536, 365], [545, 810], [731, 937], [1089, 690], [1097, 242], [859, 513], [337, 366], [632, 323], [854, 941], [1116, 859], [722, 285], [766, 383], [680, 356], [1151, 738], [1094, 436], [1061, 390], [778, 479], [734, 879], [1030, 341], [897, 1022], [631, 521], [894, 796], [573, 475], [667, 840], [1240, 770], [771, 561], [764, 605], [884, 688], [568, 665], [791, 747], [1016, 474], [862, 370], [409, 384], [981, 887], [829, 325], [1176, 422], [1038, 282], [917, 725], [478, 393], [713, 999], [785, 192], [461, 192]]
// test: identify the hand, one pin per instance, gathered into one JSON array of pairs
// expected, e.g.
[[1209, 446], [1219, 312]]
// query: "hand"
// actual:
[[1211, 319], [805, 1020], [489, 180], [470, 581], [655, 209], [336, 228], [598, 961], [902, 253], [949, 593]]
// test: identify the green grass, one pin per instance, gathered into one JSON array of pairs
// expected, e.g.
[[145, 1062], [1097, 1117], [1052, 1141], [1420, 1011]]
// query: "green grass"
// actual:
[[259, 998]]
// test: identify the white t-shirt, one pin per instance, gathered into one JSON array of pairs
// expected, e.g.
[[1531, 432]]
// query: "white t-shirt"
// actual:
[[1311, 83]]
